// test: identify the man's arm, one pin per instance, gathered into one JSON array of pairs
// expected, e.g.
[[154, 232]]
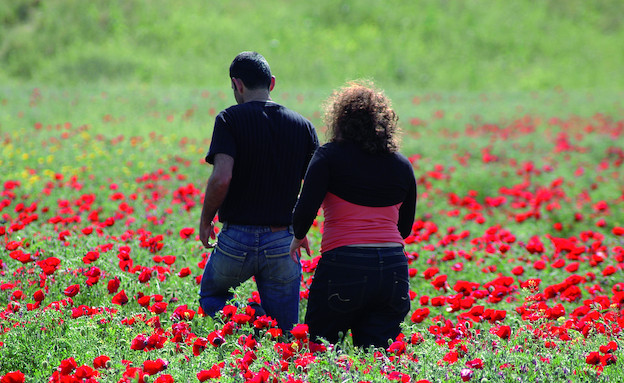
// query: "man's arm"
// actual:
[[216, 190]]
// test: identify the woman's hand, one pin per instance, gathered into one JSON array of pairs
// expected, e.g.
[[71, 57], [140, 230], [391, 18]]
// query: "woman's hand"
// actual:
[[295, 253]]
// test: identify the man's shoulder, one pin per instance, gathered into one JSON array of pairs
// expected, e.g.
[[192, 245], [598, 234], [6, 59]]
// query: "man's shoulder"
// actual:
[[292, 113]]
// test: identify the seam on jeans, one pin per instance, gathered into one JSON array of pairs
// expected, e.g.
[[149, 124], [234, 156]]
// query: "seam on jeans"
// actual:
[[271, 244], [230, 255], [236, 245], [268, 254], [338, 295]]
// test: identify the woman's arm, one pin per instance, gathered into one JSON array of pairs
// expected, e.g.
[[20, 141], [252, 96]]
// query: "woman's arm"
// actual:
[[315, 186], [408, 209]]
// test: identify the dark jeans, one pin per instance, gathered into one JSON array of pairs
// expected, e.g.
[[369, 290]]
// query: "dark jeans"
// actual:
[[365, 289], [246, 251]]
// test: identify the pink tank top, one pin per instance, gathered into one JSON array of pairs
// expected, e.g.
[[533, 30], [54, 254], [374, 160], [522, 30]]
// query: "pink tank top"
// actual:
[[348, 224]]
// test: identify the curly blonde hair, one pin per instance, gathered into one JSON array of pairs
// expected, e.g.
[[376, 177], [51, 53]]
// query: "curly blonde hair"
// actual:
[[362, 114]]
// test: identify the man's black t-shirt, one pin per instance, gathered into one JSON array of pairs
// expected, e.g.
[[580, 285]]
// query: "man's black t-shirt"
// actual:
[[271, 146]]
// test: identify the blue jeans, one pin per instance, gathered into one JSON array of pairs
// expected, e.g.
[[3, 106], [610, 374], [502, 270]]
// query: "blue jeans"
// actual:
[[365, 289], [246, 251]]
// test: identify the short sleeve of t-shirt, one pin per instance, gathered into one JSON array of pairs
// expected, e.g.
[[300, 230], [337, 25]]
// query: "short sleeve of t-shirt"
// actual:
[[222, 139]]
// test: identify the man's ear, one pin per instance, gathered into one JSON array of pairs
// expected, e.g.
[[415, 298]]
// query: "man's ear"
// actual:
[[238, 84], [272, 83]]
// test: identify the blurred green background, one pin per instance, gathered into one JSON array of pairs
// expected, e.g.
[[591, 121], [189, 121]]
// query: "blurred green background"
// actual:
[[441, 45]]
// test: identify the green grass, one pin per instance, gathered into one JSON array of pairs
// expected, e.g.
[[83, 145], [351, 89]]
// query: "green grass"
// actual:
[[108, 92], [437, 45], [116, 135]]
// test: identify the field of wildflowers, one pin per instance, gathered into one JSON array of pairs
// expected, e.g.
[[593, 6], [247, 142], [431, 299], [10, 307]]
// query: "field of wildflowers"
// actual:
[[516, 255]]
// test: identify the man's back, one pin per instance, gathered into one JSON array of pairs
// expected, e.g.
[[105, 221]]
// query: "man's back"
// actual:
[[260, 151], [271, 146]]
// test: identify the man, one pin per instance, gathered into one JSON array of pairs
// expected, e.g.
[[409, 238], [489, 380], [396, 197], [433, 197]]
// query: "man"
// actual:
[[260, 151]]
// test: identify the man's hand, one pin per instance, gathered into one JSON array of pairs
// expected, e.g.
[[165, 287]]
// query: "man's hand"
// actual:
[[206, 232], [216, 190], [295, 253]]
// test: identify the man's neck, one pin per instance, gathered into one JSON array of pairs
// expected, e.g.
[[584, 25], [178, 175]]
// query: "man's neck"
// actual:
[[257, 95]]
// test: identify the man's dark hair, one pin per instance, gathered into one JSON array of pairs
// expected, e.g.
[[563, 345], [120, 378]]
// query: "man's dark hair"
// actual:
[[253, 69]]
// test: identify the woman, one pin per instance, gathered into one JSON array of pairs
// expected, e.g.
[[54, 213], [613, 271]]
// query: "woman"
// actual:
[[367, 191]]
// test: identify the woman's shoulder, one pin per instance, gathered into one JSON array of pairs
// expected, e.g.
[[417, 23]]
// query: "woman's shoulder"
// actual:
[[399, 159], [331, 147]]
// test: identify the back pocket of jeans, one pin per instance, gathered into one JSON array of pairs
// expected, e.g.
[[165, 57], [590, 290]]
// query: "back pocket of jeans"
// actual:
[[227, 261], [281, 267], [346, 297]]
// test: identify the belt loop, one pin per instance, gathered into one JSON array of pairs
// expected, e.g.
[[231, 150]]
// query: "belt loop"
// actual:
[[225, 226]]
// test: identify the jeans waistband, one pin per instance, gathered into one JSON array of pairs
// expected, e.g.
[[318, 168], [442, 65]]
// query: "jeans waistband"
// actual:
[[365, 252], [256, 228]]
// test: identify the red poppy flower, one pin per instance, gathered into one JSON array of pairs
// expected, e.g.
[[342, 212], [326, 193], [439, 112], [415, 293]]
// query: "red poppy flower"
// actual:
[[13, 377], [72, 290], [396, 348], [439, 281], [503, 332], [120, 298], [539, 265], [593, 358], [451, 357], [475, 363], [101, 361], [134, 373], [85, 373], [39, 296], [169, 259], [91, 256], [139, 342], [241, 318], [609, 347], [438, 301], [145, 275], [275, 332], [420, 315], [213, 373], [67, 366], [609, 270], [608, 359], [164, 379], [153, 367], [199, 345], [186, 232], [184, 272], [466, 374], [158, 307], [17, 295], [113, 285], [300, 331], [144, 300], [64, 234], [430, 272], [87, 230], [572, 267]]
